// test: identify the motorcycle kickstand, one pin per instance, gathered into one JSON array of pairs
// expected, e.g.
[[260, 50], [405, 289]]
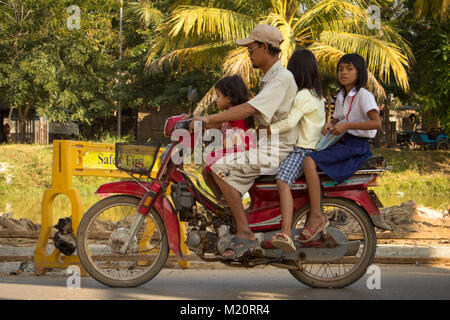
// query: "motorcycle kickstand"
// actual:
[[280, 259]]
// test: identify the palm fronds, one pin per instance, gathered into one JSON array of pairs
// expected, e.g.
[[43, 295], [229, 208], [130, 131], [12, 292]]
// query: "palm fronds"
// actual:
[[209, 23], [328, 58], [381, 56], [192, 28], [191, 58], [146, 13], [200, 33]]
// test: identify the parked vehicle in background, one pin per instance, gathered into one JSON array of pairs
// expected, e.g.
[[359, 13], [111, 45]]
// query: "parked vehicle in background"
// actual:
[[61, 130], [37, 128], [417, 139]]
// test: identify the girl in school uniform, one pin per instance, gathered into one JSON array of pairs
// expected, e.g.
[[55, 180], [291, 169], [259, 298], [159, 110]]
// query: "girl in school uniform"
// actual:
[[358, 107]]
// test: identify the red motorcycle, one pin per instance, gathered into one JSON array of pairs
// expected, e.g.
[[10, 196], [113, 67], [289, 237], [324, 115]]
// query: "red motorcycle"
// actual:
[[124, 240]]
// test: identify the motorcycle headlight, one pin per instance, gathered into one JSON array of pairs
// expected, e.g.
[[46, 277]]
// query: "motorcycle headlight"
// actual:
[[170, 124]]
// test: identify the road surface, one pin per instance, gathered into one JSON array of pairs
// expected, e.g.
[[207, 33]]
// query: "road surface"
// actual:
[[395, 282]]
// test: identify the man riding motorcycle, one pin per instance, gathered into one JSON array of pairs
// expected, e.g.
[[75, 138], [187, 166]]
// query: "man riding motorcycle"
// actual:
[[271, 104]]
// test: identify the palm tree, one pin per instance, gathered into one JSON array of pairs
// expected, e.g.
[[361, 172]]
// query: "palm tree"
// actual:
[[196, 36], [146, 12]]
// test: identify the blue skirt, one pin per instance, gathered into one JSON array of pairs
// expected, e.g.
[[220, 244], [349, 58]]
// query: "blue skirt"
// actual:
[[343, 159]]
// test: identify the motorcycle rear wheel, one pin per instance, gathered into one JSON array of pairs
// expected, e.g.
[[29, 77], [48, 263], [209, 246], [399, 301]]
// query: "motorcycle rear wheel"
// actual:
[[99, 237], [349, 217]]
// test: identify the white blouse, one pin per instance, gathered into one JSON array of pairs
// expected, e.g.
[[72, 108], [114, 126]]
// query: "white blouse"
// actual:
[[363, 102]]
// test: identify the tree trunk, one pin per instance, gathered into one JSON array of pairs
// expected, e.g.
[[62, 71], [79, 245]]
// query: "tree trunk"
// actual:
[[22, 132]]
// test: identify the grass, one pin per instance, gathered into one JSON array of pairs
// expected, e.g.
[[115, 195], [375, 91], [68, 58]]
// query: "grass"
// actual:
[[423, 162], [31, 173], [423, 176]]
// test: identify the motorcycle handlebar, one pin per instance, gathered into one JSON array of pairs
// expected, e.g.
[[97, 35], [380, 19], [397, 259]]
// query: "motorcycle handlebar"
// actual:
[[183, 124]]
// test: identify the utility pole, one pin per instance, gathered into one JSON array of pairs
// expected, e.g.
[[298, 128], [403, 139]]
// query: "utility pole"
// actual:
[[387, 123], [119, 109]]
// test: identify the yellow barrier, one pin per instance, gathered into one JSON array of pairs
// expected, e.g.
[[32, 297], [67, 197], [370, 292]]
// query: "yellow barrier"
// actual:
[[73, 158]]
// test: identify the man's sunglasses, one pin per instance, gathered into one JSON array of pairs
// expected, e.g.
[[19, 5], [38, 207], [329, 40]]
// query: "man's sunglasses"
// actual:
[[250, 50]]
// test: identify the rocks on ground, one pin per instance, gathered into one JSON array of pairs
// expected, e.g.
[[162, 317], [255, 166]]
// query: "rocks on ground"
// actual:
[[410, 217]]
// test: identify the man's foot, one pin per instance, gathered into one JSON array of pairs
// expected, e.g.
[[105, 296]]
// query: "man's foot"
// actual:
[[238, 247], [246, 236]]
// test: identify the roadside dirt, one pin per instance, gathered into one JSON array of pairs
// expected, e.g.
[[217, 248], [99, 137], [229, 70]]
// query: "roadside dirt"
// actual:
[[415, 220]]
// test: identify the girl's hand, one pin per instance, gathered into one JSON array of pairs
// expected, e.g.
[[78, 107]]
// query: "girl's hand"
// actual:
[[339, 128], [326, 128]]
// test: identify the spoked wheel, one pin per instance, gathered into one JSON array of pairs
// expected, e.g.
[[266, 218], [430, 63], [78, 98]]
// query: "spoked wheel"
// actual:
[[101, 236], [349, 218], [442, 145]]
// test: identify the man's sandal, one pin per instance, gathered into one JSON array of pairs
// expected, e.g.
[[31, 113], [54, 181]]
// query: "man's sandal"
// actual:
[[308, 234], [283, 242], [240, 247]]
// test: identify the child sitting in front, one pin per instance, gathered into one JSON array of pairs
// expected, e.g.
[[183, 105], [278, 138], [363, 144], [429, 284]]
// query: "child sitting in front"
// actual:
[[231, 91]]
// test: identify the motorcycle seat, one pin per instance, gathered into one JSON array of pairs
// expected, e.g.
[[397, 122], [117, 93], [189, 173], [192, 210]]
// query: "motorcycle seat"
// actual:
[[370, 163]]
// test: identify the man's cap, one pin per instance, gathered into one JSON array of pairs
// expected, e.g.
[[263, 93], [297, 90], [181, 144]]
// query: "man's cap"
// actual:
[[263, 33]]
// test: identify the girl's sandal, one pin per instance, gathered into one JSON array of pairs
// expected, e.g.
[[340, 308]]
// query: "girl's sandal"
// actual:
[[283, 242], [308, 234]]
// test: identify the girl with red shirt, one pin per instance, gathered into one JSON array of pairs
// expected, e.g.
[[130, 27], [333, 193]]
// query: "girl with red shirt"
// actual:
[[231, 91]]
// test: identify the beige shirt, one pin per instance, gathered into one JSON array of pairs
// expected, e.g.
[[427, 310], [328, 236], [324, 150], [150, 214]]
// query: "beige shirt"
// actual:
[[274, 101], [307, 116]]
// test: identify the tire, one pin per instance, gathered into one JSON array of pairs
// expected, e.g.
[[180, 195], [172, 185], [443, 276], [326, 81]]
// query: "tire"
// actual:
[[442, 145], [364, 261], [152, 227]]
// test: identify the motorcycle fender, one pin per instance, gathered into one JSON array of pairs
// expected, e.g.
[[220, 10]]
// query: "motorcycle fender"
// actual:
[[362, 198], [122, 187], [169, 216], [172, 225]]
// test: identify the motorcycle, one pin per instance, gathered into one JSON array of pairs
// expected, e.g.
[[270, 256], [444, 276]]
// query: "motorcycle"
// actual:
[[124, 240]]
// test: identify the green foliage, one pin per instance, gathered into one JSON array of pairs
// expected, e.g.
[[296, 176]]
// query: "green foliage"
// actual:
[[423, 176], [434, 84], [74, 74], [430, 75], [107, 137], [47, 67]]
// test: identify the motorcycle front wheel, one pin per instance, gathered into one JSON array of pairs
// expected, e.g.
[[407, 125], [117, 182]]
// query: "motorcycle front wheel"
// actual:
[[102, 233], [355, 223]]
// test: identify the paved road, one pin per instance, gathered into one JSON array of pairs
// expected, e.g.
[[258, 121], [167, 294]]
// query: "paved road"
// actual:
[[397, 282]]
